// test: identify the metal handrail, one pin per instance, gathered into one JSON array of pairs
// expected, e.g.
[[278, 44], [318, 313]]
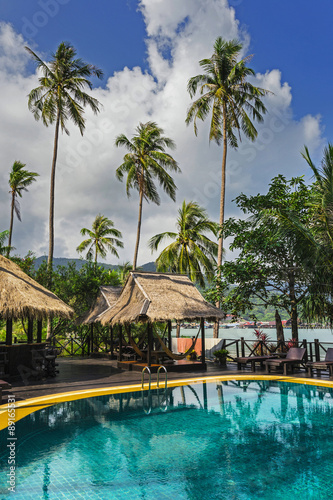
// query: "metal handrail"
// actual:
[[158, 376], [142, 377]]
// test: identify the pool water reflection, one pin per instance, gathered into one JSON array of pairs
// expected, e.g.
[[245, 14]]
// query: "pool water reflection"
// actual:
[[225, 440]]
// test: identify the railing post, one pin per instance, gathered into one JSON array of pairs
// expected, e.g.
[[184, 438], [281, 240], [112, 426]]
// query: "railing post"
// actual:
[[305, 344], [242, 346], [311, 352], [317, 352], [237, 348]]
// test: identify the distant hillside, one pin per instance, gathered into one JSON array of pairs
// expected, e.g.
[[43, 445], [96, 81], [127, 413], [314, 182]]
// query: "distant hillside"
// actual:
[[62, 261]]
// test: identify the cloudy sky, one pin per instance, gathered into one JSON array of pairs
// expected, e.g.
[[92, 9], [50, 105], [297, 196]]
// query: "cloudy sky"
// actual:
[[148, 49]]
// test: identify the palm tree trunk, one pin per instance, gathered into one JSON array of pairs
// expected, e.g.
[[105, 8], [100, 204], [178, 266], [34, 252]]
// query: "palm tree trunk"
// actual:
[[52, 189], [51, 219], [11, 224], [222, 203], [139, 229]]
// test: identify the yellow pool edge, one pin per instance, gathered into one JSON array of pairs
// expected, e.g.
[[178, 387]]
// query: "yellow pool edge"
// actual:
[[13, 412]]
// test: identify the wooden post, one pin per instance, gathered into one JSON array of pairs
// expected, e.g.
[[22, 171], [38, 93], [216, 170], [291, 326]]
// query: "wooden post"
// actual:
[[150, 342], [9, 332], [305, 344], [111, 341], [39, 331], [202, 326], [30, 331], [92, 337], [169, 335], [317, 352], [242, 347], [120, 343]]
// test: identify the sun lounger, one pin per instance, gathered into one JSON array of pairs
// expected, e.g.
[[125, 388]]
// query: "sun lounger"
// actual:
[[327, 364], [295, 356], [253, 360]]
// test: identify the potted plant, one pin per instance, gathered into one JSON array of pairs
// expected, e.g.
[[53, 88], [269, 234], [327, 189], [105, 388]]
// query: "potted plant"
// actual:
[[221, 356]]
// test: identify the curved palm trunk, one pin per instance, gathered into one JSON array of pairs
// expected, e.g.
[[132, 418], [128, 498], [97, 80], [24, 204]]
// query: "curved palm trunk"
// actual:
[[138, 230], [222, 204], [52, 188], [11, 224]]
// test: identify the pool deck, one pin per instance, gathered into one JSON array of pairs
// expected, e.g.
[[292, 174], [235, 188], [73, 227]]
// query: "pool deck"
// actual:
[[76, 374]]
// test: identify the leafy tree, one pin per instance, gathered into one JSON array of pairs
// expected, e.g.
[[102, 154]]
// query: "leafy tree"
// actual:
[[270, 265], [103, 237], [232, 100], [192, 252], [60, 97], [19, 180], [315, 238], [145, 161]]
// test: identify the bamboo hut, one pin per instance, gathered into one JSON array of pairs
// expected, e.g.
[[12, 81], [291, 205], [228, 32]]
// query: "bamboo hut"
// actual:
[[21, 297], [160, 297], [107, 297]]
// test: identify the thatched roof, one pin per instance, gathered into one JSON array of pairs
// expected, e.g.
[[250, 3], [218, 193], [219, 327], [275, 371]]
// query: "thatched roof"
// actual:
[[107, 297], [23, 297], [152, 297]]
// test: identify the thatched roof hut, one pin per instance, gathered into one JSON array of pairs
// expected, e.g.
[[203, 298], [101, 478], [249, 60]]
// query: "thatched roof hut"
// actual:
[[107, 297], [23, 297], [152, 297]]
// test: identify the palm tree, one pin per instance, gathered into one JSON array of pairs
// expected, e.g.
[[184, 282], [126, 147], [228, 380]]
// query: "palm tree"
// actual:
[[19, 180], [123, 271], [192, 252], [103, 237], [4, 249], [147, 159], [233, 101], [60, 97]]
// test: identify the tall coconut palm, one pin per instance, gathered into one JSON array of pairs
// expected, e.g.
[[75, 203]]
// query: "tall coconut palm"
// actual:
[[103, 238], [19, 180], [145, 161], [232, 101], [192, 252], [60, 97]]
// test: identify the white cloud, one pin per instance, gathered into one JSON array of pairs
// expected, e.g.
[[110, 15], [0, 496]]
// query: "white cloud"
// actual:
[[86, 184]]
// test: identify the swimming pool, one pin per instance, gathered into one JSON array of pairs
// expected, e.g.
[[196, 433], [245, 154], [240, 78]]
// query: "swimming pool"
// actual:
[[244, 439]]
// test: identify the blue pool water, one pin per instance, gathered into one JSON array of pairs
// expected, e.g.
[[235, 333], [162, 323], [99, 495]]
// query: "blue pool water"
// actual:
[[227, 440]]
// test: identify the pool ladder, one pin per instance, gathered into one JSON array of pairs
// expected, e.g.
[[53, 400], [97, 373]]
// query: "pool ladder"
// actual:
[[163, 408]]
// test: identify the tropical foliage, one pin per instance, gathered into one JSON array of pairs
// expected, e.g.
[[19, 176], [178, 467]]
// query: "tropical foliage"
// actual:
[[271, 262], [103, 238], [60, 97], [146, 161], [192, 252], [234, 103], [19, 180], [4, 249]]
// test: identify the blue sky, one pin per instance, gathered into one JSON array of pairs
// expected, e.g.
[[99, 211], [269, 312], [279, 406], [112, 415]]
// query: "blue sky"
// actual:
[[148, 50]]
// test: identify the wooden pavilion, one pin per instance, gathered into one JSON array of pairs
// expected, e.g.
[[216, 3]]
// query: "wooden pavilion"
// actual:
[[149, 298], [21, 297]]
